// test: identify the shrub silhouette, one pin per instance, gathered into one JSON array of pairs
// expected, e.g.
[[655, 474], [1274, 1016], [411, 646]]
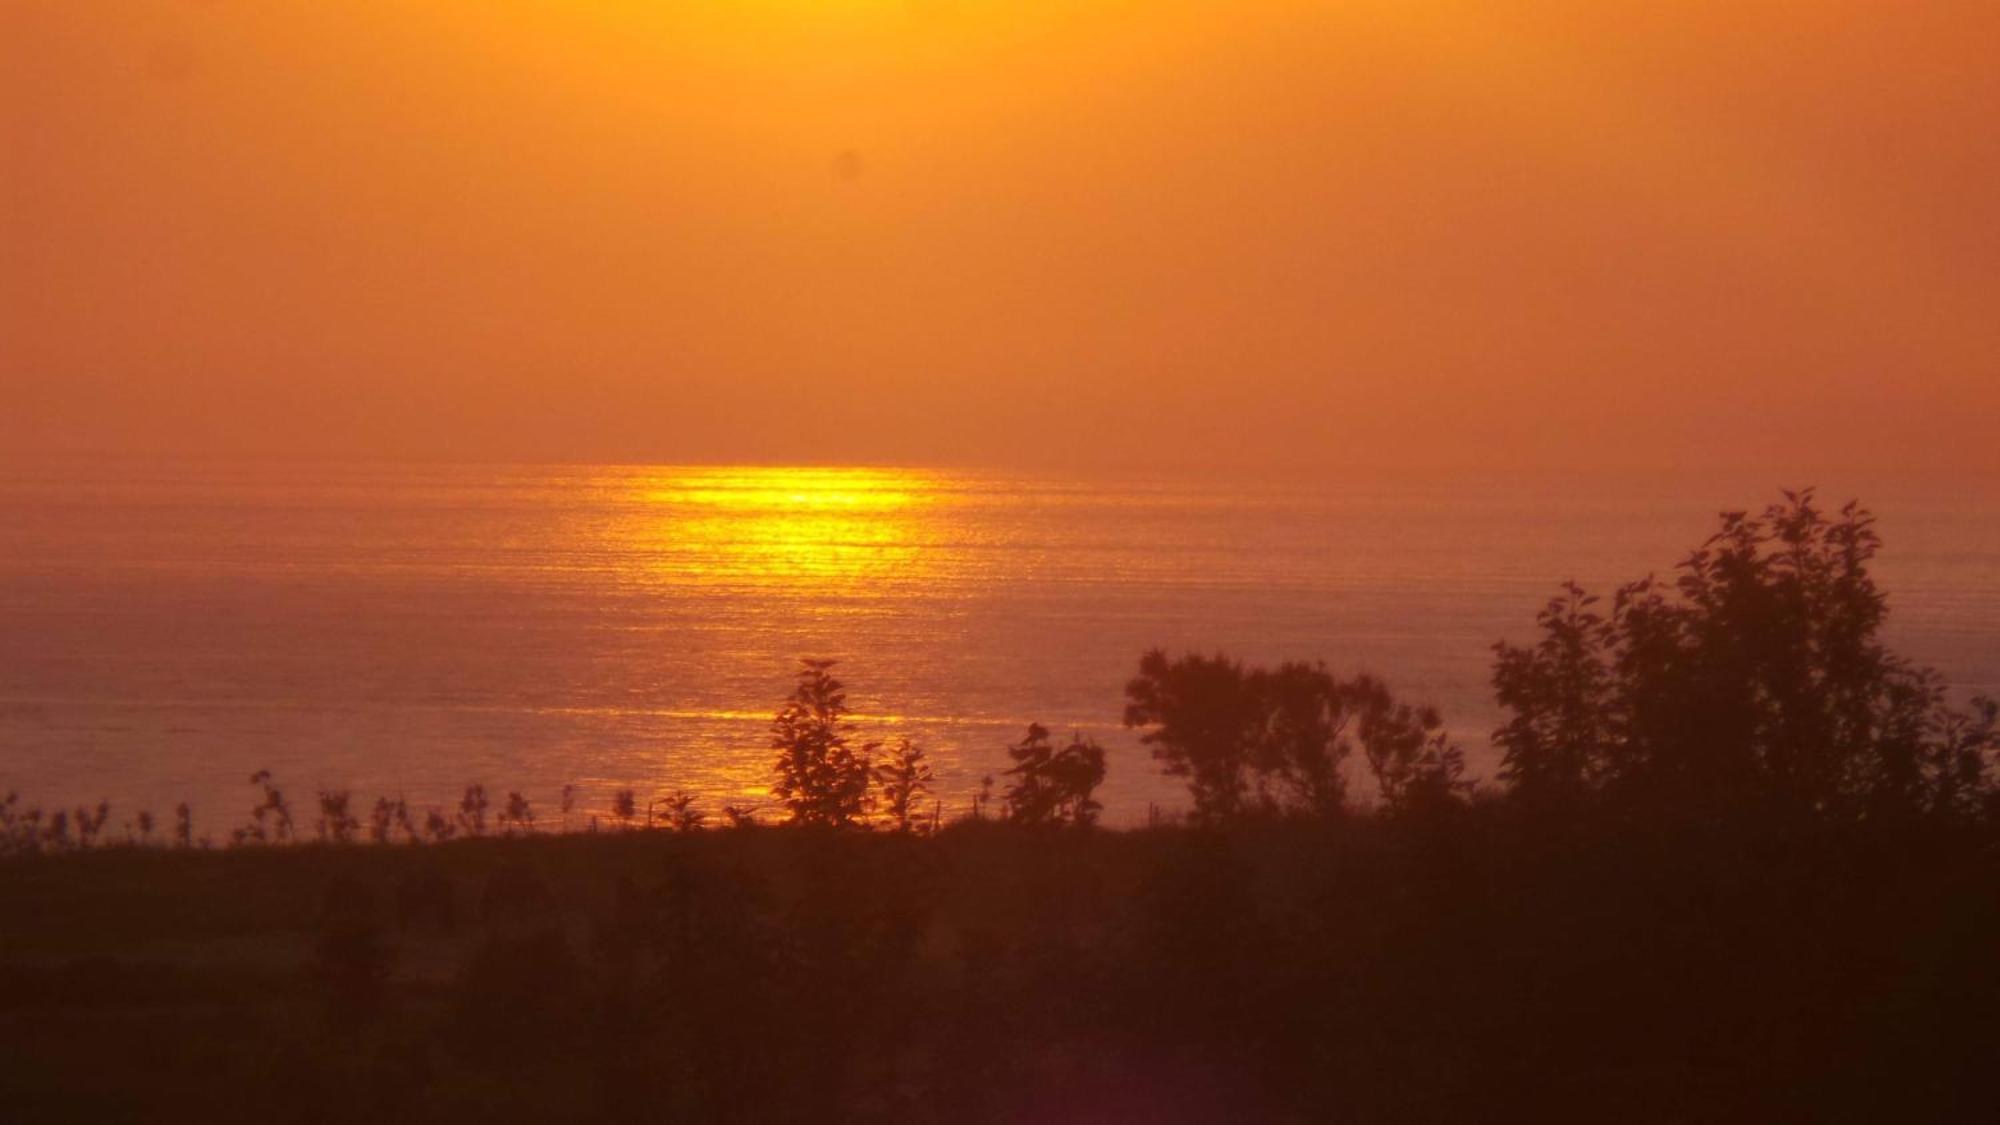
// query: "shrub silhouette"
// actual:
[[1558, 741], [336, 824], [472, 806], [439, 828], [1271, 742], [1756, 680], [270, 819], [1054, 786], [680, 814], [1416, 766], [17, 831], [389, 817], [1302, 739], [1202, 719], [56, 836], [517, 815], [820, 779], [901, 781], [90, 823]]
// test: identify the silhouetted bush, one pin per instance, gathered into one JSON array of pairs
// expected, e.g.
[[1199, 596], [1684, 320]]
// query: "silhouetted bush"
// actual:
[[336, 823], [1754, 682], [679, 813], [901, 781], [270, 819], [1274, 742], [1202, 719], [820, 778], [1054, 786], [517, 815], [1416, 767], [472, 806], [390, 817]]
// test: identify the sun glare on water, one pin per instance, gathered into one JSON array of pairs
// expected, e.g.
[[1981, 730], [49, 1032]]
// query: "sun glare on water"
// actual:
[[808, 532]]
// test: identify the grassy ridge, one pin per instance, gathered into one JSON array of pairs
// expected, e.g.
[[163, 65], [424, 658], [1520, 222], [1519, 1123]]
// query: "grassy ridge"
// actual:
[[1472, 967]]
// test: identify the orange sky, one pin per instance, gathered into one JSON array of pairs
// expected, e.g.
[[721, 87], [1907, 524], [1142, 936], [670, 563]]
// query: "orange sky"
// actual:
[[1022, 232]]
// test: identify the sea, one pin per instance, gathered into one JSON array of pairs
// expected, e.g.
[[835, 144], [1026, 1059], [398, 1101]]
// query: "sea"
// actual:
[[566, 632]]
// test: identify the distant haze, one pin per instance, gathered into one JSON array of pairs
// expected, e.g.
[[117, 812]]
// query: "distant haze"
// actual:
[[1022, 233]]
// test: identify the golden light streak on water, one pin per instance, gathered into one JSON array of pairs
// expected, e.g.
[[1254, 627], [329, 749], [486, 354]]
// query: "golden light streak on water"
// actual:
[[815, 547], [796, 530]]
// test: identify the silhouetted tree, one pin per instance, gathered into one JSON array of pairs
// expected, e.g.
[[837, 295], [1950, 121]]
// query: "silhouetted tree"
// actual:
[[1416, 766], [1301, 742], [1271, 742], [1956, 780], [820, 779], [1054, 786], [902, 780], [1201, 718], [624, 806], [1560, 692], [1755, 679]]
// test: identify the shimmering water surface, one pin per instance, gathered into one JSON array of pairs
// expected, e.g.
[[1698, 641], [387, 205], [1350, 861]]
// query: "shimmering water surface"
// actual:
[[166, 631]]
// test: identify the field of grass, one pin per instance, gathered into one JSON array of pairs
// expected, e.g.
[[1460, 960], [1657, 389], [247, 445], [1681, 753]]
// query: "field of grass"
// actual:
[[1473, 967]]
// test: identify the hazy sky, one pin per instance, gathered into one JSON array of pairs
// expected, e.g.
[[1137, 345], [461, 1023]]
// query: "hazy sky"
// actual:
[[1255, 233]]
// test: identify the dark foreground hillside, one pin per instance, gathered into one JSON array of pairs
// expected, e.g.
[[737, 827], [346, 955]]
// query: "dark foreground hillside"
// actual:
[[1470, 967]]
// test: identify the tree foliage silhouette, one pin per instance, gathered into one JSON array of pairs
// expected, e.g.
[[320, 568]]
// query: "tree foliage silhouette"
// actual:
[[901, 781], [1301, 741], [820, 779], [1560, 693], [1276, 742], [1756, 679], [337, 823], [1416, 766], [1201, 719], [1054, 785], [271, 819]]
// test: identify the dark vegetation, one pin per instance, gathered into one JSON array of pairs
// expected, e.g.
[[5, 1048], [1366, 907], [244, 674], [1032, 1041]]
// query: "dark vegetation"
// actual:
[[1743, 864]]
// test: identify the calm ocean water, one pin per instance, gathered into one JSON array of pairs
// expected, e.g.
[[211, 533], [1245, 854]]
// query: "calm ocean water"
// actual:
[[394, 629]]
